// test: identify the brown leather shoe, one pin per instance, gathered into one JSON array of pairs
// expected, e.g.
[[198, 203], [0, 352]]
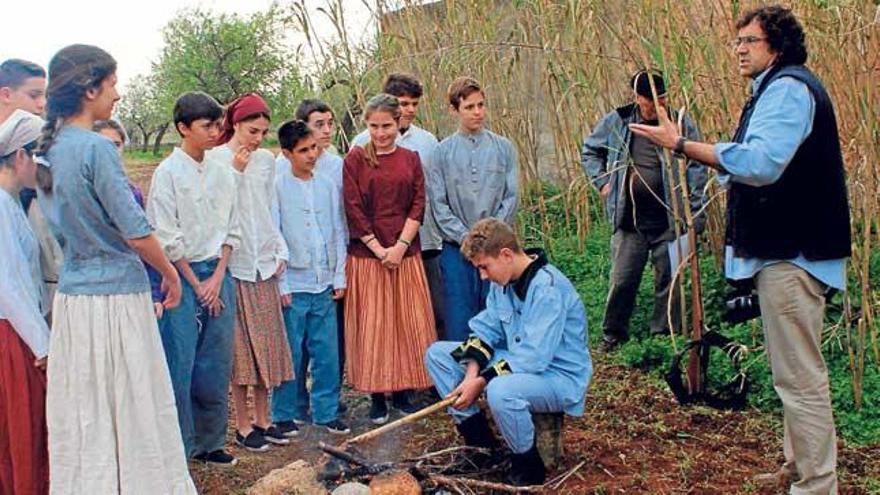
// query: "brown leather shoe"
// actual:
[[780, 479]]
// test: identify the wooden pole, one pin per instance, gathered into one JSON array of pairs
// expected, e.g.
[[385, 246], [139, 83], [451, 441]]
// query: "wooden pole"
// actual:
[[695, 357], [410, 418]]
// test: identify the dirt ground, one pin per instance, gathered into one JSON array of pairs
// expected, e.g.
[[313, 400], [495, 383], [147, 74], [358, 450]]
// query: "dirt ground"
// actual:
[[633, 437]]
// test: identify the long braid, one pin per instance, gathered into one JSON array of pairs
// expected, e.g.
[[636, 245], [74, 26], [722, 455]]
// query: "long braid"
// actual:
[[46, 140]]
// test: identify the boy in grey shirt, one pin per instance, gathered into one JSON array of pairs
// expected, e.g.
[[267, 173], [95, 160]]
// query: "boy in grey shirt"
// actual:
[[472, 176]]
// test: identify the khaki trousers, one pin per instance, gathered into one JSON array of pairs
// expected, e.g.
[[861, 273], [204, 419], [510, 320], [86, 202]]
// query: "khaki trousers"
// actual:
[[792, 309]]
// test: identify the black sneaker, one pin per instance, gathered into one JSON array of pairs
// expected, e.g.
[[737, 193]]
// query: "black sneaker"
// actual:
[[254, 441], [401, 402], [378, 410], [287, 429], [272, 435], [218, 458], [335, 427]]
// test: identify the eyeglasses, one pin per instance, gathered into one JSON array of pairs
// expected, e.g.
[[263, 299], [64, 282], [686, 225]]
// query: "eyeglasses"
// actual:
[[746, 40]]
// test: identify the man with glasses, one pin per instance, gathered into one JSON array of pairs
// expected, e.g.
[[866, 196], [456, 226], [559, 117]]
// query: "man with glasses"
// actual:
[[787, 229]]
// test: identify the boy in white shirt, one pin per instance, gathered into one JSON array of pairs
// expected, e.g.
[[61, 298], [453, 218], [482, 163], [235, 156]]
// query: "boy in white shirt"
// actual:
[[319, 118], [192, 207]]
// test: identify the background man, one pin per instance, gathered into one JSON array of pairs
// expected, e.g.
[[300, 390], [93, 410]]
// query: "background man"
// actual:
[[633, 178]]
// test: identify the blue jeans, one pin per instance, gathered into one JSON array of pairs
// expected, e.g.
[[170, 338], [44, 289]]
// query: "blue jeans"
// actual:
[[464, 294], [198, 349], [310, 321], [512, 398]]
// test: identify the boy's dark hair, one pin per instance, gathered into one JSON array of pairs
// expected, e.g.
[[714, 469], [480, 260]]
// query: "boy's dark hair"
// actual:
[[461, 88], [15, 71], [402, 84], [291, 133], [784, 33], [194, 105], [310, 106]]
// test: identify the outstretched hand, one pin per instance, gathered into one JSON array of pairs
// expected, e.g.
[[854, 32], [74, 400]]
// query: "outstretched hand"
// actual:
[[665, 134]]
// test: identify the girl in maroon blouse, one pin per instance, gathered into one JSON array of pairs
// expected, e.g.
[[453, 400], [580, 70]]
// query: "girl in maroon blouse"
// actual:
[[389, 323]]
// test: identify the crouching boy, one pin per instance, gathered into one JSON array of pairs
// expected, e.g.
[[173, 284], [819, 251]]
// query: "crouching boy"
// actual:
[[527, 349]]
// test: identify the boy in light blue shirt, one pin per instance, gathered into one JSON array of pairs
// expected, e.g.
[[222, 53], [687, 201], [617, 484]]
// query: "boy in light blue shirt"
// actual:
[[527, 349], [309, 212]]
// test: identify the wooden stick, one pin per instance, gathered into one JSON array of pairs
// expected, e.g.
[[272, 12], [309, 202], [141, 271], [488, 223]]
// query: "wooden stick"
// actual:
[[557, 484], [410, 418], [345, 456], [488, 485]]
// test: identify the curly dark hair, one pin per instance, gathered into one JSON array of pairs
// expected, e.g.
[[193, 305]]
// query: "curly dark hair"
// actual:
[[784, 33]]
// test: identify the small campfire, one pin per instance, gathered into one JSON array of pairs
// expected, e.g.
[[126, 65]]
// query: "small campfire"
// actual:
[[459, 469], [452, 468]]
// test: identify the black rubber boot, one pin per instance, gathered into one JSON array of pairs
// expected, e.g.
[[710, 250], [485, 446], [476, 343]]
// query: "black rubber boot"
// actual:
[[527, 469], [477, 433]]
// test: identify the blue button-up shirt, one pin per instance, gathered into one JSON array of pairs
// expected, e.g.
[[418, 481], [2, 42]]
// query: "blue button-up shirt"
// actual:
[[781, 121], [21, 281], [545, 335], [309, 215], [96, 213]]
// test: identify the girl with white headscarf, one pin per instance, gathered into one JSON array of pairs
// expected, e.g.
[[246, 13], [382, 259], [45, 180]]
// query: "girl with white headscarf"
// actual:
[[24, 334]]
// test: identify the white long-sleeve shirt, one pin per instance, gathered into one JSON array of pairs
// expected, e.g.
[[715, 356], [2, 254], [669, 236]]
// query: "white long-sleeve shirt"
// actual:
[[262, 247], [193, 207], [21, 279]]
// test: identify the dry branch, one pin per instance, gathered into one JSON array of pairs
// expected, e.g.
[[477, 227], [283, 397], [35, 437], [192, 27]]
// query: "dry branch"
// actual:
[[452, 481]]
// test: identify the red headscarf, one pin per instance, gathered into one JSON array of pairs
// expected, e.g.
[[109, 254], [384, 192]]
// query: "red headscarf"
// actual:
[[246, 105]]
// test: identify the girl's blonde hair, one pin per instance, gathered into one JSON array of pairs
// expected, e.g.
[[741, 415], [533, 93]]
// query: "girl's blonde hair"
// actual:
[[382, 102]]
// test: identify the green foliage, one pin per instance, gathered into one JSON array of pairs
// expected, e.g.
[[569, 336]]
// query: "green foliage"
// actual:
[[141, 112], [140, 156], [226, 55]]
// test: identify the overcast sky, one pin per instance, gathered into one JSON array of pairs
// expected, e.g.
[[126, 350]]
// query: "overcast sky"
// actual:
[[130, 30]]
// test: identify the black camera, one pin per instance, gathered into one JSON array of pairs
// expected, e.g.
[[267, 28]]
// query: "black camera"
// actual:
[[741, 305]]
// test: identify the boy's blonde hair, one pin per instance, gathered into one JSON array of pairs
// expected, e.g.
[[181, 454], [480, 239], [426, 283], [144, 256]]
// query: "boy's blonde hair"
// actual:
[[487, 238]]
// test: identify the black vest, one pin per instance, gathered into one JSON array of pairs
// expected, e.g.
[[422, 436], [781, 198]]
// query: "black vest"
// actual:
[[804, 212]]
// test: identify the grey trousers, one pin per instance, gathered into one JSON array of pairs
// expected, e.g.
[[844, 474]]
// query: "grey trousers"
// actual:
[[629, 254]]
